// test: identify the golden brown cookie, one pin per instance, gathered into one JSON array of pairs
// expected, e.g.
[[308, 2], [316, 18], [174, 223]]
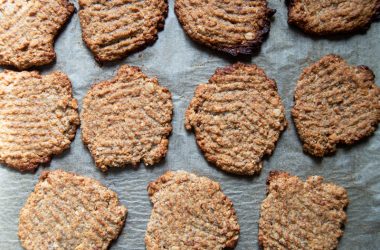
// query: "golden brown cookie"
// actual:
[[332, 16], [113, 29], [68, 211], [38, 117], [237, 118], [190, 212], [301, 215], [28, 29], [235, 27], [127, 120], [335, 103]]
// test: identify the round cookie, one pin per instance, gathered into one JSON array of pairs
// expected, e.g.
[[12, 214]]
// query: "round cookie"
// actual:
[[127, 120], [237, 118], [38, 117], [190, 212], [332, 16], [28, 29], [335, 103], [235, 27], [113, 29], [301, 215], [68, 211]]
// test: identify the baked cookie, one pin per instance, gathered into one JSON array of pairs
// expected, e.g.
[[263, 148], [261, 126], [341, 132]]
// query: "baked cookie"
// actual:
[[235, 27], [237, 118], [127, 120], [335, 103], [332, 16], [301, 215], [113, 29], [190, 212], [38, 117], [68, 211], [28, 29]]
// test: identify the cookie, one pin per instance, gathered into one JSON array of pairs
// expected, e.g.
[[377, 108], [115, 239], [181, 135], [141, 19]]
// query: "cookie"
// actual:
[[28, 29], [38, 117], [237, 118], [113, 29], [301, 215], [127, 119], [335, 103], [190, 212], [332, 17], [68, 211], [235, 27]]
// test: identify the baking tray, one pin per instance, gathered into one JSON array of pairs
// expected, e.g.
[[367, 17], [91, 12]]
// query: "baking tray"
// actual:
[[181, 65]]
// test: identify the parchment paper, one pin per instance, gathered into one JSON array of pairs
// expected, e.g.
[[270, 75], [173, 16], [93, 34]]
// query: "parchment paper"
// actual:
[[181, 65]]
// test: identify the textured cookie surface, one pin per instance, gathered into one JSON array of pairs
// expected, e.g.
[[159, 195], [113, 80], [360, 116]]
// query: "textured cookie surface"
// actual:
[[38, 117], [68, 211], [114, 28], [190, 212], [127, 120], [335, 103], [237, 118], [301, 215], [235, 27], [332, 16], [28, 29]]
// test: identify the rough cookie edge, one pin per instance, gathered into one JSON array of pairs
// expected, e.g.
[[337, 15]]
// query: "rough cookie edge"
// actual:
[[158, 184], [275, 174], [34, 165], [361, 29], [149, 42], [109, 82], [71, 9], [340, 143], [45, 175], [246, 48], [225, 71]]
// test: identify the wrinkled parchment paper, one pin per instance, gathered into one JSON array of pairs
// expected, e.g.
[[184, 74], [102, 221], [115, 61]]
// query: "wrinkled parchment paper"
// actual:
[[180, 65]]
